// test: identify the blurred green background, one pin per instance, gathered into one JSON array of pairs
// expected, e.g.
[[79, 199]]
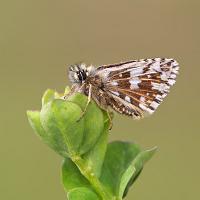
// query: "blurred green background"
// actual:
[[39, 38]]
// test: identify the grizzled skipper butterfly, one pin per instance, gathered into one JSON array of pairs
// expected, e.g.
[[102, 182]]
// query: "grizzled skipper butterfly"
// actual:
[[133, 88]]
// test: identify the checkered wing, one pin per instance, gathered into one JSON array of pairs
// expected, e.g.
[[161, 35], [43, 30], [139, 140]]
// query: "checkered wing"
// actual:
[[137, 87]]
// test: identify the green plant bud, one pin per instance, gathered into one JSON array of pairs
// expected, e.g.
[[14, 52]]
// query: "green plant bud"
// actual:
[[59, 119], [94, 121], [60, 123]]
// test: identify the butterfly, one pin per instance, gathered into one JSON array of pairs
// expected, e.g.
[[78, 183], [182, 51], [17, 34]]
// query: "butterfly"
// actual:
[[134, 88]]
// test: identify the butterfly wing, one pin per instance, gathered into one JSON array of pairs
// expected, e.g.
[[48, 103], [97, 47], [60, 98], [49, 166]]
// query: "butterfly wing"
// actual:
[[137, 87]]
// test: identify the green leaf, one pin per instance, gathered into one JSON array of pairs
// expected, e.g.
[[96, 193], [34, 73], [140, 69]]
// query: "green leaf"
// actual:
[[123, 192], [123, 163], [146, 155], [48, 96], [34, 120], [82, 194], [133, 171], [118, 157], [71, 176], [126, 177], [77, 186], [142, 158], [94, 121], [59, 119]]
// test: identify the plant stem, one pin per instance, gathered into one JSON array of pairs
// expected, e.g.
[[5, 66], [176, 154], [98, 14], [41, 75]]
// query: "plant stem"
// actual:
[[87, 172]]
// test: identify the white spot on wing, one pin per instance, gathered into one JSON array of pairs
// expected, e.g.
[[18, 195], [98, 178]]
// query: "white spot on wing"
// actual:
[[157, 59], [175, 63], [160, 87], [156, 66], [148, 76], [134, 83], [114, 83], [104, 74], [127, 98], [154, 105], [159, 97], [164, 76], [143, 107], [115, 93], [142, 99], [164, 95], [171, 81], [136, 71], [173, 76]]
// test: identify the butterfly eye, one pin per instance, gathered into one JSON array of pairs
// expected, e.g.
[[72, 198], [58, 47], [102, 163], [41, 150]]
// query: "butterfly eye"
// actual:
[[78, 75]]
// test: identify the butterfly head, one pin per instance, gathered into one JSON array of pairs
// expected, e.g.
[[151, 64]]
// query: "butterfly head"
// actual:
[[79, 73]]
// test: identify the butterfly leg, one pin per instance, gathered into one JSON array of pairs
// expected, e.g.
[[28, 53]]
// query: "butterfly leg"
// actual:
[[110, 117], [74, 89], [71, 92], [88, 101]]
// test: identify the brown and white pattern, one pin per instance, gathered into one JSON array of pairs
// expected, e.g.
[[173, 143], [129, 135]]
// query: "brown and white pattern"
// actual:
[[134, 88]]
